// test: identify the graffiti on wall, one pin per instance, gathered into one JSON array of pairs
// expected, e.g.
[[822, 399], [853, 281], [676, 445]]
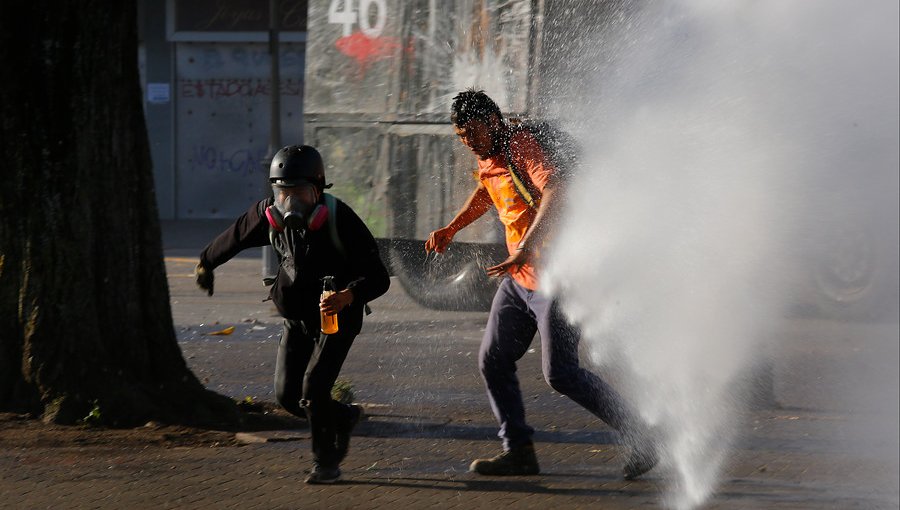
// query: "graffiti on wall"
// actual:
[[220, 88], [237, 15], [223, 108], [241, 161]]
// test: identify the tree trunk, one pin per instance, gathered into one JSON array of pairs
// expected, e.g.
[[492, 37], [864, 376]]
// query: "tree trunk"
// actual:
[[85, 321]]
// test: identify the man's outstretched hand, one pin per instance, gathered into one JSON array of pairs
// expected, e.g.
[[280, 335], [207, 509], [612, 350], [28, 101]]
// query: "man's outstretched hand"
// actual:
[[439, 240], [513, 262]]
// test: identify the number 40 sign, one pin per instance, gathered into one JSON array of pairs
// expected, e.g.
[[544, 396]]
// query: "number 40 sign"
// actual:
[[342, 12]]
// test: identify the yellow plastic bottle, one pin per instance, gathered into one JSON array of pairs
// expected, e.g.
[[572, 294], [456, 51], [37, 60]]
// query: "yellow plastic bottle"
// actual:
[[329, 321]]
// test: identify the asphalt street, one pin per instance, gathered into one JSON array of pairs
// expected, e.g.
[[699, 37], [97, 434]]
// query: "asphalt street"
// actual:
[[416, 371], [821, 442]]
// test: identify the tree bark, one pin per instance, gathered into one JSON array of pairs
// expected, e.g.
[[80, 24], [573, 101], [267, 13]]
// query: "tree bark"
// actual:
[[85, 320]]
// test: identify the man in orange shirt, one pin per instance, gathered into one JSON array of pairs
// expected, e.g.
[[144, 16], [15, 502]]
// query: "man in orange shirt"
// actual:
[[519, 310]]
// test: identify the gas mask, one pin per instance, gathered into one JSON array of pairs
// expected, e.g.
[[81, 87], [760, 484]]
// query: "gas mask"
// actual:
[[296, 207]]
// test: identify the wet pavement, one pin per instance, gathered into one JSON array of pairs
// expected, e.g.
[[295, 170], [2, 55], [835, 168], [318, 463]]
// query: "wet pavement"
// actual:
[[416, 372]]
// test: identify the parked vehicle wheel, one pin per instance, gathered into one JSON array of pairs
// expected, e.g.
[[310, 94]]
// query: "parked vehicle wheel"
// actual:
[[853, 275]]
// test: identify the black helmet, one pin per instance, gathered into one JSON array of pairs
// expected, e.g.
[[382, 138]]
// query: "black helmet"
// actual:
[[295, 164]]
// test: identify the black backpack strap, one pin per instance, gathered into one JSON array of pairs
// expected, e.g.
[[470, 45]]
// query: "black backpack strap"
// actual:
[[331, 204], [524, 190]]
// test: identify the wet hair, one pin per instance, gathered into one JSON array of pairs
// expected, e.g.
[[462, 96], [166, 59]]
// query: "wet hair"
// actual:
[[472, 104]]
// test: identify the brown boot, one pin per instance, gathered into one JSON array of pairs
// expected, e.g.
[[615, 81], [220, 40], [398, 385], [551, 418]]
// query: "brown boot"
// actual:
[[514, 462]]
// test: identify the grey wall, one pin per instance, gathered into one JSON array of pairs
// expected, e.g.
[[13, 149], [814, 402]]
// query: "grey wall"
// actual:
[[210, 133], [222, 109]]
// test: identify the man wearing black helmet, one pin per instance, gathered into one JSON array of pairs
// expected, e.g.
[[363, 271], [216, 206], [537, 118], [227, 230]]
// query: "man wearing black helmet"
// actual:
[[315, 236]]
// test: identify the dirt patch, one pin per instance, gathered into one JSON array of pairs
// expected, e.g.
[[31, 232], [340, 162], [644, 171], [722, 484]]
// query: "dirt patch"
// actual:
[[24, 431]]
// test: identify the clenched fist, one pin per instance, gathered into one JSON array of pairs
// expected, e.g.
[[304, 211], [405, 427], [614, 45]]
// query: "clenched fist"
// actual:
[[205, 278]]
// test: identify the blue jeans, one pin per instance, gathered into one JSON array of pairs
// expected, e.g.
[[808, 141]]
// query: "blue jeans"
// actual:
[[516, 314]]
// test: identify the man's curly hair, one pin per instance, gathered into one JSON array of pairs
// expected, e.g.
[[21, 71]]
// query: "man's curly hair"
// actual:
[[472, 104]]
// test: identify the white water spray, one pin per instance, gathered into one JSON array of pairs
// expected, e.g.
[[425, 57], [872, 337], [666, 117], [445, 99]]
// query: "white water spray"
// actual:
[[717, 132]]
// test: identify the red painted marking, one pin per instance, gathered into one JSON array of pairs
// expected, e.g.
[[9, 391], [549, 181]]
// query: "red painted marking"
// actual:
[[367, 49]]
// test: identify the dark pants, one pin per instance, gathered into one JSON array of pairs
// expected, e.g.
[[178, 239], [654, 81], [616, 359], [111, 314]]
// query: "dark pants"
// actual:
[[516, 314], [306, 368]]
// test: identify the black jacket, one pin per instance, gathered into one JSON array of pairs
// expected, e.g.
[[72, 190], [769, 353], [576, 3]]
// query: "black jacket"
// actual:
[[358, 266]]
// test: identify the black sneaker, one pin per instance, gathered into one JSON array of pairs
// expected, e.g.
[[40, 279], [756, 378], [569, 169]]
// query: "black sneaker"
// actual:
[[639, 461], [342, 436], [514, 462], [323, 475]]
